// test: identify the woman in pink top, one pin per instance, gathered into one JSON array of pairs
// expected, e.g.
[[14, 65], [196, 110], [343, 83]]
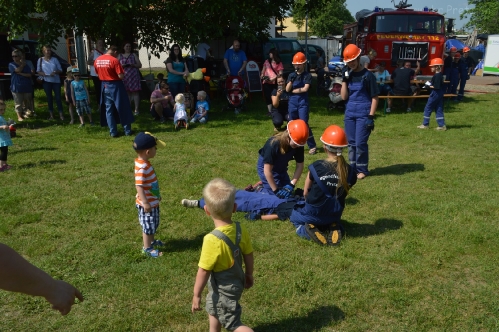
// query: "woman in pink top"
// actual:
[[272, 67]]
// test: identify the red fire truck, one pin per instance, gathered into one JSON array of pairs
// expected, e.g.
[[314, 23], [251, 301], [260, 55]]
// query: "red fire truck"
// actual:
[[399, 34]]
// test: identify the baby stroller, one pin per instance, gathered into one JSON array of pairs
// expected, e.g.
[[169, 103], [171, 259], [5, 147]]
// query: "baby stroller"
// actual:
[[235, 93], [335, 74]]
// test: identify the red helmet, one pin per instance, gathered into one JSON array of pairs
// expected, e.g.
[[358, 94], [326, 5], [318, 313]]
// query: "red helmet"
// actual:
[[298, 132], [334, 136], [436, 62], [299, 58], [453, 49], [351, 53], [457, 55], [466, 49]]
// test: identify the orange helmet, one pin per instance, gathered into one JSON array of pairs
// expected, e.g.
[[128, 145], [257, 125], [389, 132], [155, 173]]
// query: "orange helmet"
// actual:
[[436, 62], [298, 132], [466, 49], [299, 58], [457, 55], [453, 49], [351, 52], [334, 136]]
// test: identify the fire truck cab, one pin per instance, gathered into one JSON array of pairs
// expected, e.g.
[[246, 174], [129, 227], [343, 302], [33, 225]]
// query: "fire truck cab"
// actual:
[[398, 35]]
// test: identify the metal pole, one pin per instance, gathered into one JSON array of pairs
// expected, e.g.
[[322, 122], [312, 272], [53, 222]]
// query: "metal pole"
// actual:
[[306, 30]]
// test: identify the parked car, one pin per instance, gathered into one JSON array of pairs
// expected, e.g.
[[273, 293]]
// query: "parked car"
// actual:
[[312, 55], [287, 48]]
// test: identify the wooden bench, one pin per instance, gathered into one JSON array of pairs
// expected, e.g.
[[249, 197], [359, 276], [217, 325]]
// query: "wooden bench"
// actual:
[[447, 95]]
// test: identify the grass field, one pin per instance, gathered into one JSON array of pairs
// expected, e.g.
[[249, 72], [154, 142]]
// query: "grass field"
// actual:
[[420, 252]]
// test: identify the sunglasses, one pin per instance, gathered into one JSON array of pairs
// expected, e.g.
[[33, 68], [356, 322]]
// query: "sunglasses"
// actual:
[[76, 75], [15, 56]]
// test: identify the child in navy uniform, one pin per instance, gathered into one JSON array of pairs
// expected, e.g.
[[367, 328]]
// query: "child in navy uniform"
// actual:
[[436, 99]]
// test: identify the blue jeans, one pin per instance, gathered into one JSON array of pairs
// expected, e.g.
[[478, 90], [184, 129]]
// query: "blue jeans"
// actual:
[[48, 87], [111, 122]]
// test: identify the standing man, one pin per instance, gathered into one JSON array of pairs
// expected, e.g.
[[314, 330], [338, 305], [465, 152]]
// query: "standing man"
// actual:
[[235, 60], [94, 54], [113, 93], [402, 84]]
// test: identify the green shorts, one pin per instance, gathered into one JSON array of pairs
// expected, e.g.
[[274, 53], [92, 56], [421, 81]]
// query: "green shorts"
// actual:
[[226, 310]]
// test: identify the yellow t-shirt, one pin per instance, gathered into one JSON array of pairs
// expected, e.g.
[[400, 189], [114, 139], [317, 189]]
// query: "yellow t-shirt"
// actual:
[[216, 255]]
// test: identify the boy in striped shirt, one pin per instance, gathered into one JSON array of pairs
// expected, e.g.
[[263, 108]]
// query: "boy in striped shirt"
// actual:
[[148, 195]]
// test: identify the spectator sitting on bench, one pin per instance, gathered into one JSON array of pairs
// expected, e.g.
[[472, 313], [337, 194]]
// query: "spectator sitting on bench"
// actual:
[[382, 75], [402, 84]]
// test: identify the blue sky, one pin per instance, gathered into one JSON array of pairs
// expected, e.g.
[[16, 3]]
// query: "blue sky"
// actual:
[[449, 8]]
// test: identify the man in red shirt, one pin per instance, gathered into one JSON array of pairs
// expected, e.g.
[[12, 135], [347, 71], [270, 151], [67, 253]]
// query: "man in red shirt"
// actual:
[[113, 93]]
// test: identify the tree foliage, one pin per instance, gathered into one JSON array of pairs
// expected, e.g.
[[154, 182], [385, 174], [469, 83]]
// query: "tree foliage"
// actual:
[[325, 17], [484, 16], [156, 23]]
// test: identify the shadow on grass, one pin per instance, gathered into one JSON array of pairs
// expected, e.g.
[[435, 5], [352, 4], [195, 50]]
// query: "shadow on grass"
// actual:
[[177, 245], [42, 148], [397, 169], [41, 163], [459, 127], [380, 226], [351, 201], [312, 321]]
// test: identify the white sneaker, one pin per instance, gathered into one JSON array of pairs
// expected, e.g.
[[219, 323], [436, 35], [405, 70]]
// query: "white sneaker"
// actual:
[[443, 128], [409, 110], [388, 110], [190, 203], [423, 127]]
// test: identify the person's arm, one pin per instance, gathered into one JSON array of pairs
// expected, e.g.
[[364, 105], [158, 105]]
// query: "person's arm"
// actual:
[[289, 85], [121, 76], [226, 65], [88, 94], [39, 67], [275, 99], [267, 171], [374, 105], [297, 174], [344, 91], [138, 64], [308, 185], [142, 197], [248, 270], [18, 275], [72, 94], [186, 70], [418, 68], [58, 68], [242, 67], [90, 60], [158, 99], [201, 280], [302, 90]]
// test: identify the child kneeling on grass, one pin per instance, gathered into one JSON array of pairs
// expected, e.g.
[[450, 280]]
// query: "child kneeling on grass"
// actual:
[[148, 195], [221, 261], [81, 98]]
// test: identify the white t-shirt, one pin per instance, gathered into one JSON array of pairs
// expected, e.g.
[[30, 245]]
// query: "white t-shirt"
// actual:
[[363, 60], [202, 50]]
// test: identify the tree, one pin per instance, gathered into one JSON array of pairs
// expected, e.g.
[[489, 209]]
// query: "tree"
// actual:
[[326, 17], [483, 16], [156, 23]]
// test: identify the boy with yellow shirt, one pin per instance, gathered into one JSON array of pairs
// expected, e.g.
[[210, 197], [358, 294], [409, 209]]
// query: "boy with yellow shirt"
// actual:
[[220, 264]]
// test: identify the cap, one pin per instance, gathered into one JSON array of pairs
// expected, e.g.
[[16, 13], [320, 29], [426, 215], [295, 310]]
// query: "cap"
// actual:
[[146, 140], [69, 69], [235, 80], [75, 70]]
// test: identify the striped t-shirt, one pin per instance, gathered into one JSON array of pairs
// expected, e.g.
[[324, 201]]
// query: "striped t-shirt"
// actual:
[[146, 178]]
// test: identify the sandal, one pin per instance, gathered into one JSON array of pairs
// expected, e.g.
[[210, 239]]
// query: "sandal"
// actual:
[[312, 151], [157, 243], [151, 252]]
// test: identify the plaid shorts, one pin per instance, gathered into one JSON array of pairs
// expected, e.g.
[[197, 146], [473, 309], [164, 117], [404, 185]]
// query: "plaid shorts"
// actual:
[[148, 221], [82, 107]]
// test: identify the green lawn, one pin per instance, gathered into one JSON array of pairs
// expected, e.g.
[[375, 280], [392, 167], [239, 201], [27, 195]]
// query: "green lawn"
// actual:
[[420, 252]]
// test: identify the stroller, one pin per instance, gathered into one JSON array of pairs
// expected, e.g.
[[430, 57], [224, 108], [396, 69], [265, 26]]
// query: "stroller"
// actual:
[[335, 79], [235, 93]]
